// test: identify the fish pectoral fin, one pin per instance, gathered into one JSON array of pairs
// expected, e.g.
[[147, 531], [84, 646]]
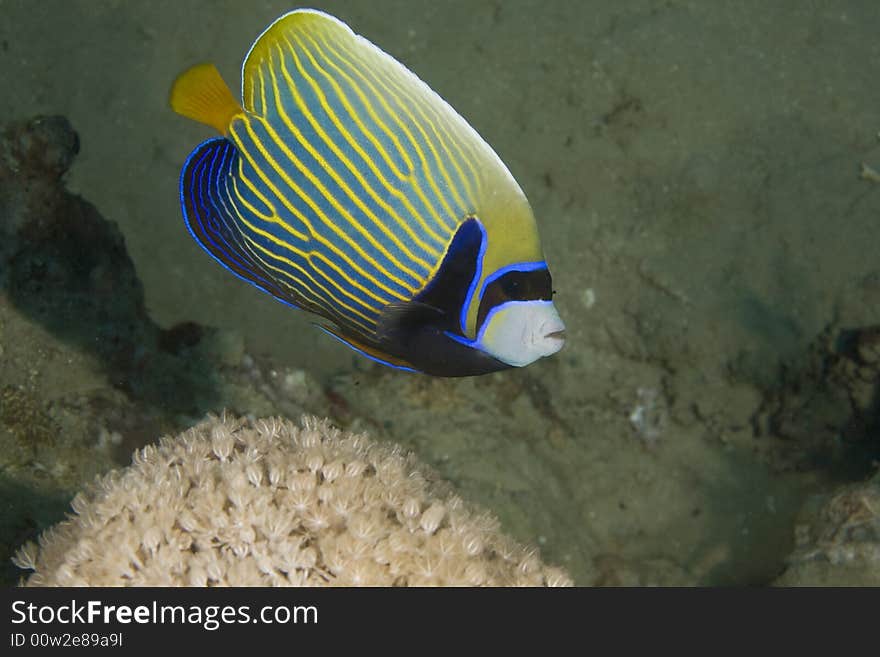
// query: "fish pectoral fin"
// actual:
[[399, 319], [373, 351], [199, 93]]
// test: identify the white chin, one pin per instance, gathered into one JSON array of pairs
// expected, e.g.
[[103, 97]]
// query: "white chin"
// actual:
[[521, 332]]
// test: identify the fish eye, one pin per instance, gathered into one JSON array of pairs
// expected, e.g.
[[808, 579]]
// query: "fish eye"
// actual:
[[510, 286]]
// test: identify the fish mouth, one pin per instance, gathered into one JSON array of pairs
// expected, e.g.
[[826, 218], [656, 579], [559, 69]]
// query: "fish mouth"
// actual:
[[552, 336]]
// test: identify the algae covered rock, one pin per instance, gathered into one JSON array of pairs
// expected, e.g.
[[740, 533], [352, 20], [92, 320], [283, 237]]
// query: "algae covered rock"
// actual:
[[837, 540]]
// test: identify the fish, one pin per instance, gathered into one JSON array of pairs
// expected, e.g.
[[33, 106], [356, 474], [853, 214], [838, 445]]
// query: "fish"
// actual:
[[341, 184]]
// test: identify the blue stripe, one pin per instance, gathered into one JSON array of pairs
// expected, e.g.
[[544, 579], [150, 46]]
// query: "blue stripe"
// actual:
[[372, 153], [469, 297], [407, 102], [317, 273], [362, 166], [416, 111], [517, 266], [299, 203]]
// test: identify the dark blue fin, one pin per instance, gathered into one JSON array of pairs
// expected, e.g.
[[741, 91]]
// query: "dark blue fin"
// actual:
[[212, 219], [399, 319], [442, 303]]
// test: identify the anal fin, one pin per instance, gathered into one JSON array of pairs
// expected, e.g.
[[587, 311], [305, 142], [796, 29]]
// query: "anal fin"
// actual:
[[373, 352]]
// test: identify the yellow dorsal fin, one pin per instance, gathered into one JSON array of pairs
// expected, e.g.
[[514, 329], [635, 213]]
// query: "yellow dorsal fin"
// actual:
[[199, 93]]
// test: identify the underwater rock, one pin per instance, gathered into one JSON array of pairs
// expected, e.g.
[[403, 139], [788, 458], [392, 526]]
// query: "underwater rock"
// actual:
[[43, 147], [66, 267], [837, 540], [60, 253], [63, 264], [825, 414]]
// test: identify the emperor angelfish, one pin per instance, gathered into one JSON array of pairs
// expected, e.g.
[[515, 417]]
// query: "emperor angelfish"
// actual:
[[343, 185]]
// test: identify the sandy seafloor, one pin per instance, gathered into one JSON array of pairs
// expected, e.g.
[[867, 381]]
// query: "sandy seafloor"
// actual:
[[694, 167]]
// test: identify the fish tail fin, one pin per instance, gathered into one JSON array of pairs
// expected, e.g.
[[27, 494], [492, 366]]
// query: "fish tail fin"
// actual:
[[199, 93]]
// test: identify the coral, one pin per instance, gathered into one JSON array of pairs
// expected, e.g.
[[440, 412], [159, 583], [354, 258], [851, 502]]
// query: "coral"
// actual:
[[268, 502]]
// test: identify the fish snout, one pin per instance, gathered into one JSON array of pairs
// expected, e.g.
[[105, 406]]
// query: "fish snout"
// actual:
[[548, 337]]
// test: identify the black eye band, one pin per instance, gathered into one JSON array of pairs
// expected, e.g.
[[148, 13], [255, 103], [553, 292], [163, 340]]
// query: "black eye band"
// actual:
[[515, 285]]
